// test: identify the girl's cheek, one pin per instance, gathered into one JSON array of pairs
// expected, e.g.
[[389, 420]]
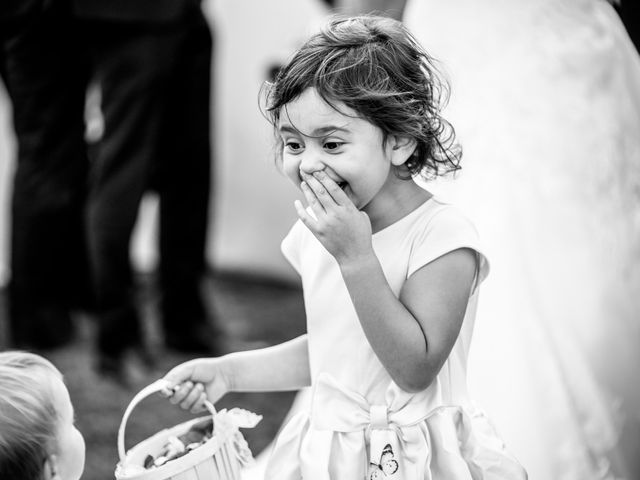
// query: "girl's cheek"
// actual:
[[291, 170]]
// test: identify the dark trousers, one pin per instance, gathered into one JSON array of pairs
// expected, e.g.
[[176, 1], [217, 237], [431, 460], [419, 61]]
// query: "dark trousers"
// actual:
[[45, 78], [155, 83], [73, 216]]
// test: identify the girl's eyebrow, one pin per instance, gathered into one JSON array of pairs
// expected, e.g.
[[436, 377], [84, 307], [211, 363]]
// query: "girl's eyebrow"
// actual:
[[329, 129], [287, 129], [318, 132]]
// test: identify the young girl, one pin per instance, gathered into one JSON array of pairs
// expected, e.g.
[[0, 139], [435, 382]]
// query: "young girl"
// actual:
[[390, 273], [38, 440]]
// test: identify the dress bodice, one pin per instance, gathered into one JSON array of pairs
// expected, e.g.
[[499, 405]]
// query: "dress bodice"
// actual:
[[337, 343]]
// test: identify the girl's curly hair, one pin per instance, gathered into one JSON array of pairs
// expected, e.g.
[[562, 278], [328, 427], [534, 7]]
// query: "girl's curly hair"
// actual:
[[374, 66]]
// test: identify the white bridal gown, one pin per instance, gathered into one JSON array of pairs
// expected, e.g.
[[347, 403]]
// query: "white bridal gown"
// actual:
[[546, 103]]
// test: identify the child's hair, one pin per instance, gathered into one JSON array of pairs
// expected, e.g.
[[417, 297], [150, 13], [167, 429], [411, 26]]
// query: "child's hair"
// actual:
[[374, 66], [28, 416]]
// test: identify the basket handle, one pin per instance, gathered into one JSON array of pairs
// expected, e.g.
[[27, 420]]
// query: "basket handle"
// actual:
[[155, 387]]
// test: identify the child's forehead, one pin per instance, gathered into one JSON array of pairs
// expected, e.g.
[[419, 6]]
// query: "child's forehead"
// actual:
[[312, 102], [311, 112]]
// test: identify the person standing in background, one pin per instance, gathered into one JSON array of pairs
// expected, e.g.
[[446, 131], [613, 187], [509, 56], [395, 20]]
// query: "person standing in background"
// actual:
[[151, 61], [75, 206], [45, 76]]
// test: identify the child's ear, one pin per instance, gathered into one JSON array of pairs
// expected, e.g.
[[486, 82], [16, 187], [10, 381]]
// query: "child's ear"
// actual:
[[401, 149], [51, 468]]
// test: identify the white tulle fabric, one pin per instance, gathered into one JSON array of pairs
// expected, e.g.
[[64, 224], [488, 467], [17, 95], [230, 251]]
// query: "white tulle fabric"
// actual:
[[356, 410], [546, 102]]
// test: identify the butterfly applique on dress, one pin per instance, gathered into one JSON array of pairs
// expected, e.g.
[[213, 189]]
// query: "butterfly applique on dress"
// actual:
[[387, 466]]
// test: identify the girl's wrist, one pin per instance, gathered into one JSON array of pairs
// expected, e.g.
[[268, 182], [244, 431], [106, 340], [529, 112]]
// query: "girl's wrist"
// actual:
[[358, 264], [226, 369]]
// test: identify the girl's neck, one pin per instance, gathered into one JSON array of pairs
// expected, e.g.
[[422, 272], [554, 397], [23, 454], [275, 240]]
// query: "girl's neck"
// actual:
[[401, 198]]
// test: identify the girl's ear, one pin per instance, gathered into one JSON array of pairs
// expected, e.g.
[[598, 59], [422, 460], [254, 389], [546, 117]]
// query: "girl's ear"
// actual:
[[51, 468], [401, 149]]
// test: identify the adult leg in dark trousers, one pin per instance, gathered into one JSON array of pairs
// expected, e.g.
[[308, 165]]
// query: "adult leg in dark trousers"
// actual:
[[131, 67], [136, 64], [182, 179], [45, 76]]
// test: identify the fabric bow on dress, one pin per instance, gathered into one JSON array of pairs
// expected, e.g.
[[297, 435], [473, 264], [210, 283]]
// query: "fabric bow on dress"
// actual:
[[411, 437]]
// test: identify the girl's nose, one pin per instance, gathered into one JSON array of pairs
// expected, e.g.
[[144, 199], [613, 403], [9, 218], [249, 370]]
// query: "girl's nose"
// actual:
[[310, 162]]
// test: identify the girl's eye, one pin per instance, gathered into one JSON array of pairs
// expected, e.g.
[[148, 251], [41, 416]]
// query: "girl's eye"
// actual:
[[293, 147], [331, 146]]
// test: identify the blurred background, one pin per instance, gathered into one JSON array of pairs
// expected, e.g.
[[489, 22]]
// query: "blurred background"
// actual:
[[550, 396]]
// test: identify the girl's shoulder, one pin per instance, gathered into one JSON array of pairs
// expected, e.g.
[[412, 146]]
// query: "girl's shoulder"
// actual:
[[434, 216], [450, 218], [439, 228]]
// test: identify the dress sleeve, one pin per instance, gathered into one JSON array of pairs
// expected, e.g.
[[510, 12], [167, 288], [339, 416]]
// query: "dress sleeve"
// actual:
[[448, 230], [291, 245]]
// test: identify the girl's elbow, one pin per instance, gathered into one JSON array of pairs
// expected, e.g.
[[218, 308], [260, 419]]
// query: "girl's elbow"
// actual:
[[415, 383]]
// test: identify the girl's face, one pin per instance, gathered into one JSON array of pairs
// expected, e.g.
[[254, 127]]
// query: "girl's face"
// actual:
[[67, 454], [349, 149]]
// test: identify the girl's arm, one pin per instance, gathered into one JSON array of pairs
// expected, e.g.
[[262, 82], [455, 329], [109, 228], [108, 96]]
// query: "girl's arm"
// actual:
[[411, 335], [280, 367]]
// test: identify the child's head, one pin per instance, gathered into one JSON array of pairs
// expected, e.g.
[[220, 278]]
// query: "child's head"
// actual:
[[38, 439], [376, 69]]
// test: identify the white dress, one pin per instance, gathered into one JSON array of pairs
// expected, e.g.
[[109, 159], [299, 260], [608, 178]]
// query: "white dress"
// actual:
[[546, 103], [360, 424]]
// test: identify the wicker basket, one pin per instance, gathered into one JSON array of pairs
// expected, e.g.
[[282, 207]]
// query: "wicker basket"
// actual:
[[219, 458]]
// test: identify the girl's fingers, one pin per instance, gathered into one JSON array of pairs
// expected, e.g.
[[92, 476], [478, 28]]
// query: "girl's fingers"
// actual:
[[168, 391], [181, 392], [312, 199], [199, 406], [189, 396], [333, 189], [192, 398], [304, 216], [322, 195], [177, 376]]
